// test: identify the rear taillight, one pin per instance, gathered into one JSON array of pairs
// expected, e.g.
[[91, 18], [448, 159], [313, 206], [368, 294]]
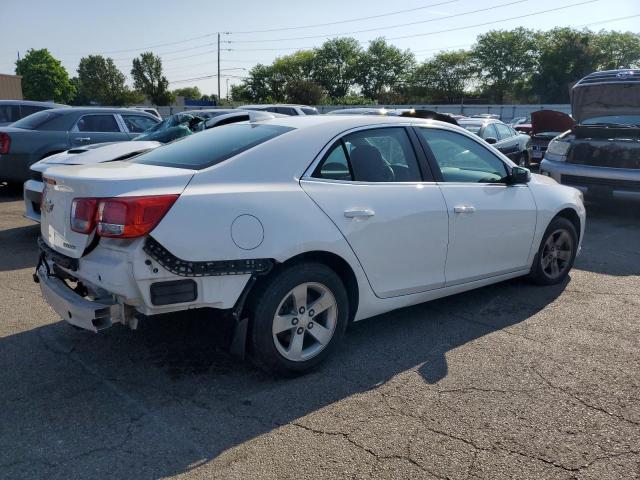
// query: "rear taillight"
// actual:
[[130, 217], [83, 215], [5, 143]]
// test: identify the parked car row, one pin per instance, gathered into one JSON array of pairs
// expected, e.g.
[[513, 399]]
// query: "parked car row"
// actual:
[[293, 227]]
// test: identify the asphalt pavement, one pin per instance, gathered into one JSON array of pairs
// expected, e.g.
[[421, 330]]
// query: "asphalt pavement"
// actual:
[[508, 381]]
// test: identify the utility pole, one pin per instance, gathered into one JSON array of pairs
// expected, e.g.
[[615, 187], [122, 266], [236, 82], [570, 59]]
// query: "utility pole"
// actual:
[[227, 89], [218, 68]]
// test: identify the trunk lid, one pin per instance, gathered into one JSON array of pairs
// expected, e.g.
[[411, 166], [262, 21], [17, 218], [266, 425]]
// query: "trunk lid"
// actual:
[[118, 179], [543, 121]]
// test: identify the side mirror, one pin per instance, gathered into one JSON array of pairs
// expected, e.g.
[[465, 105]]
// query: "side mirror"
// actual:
[[519, 175], [491, 140]]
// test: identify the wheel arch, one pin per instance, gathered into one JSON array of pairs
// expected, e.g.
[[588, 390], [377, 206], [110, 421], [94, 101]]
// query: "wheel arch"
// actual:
[[571, 215], [331, 260]]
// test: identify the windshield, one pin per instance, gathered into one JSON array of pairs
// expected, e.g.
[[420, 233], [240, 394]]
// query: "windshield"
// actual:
[[472, 127], [211, 146], [36, 120], [627, 120]]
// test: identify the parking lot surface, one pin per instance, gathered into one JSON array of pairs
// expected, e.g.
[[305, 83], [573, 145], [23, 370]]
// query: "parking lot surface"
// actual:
[[509, 381]]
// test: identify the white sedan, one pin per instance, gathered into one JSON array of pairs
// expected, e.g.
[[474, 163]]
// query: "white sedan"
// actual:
[[298, 226]]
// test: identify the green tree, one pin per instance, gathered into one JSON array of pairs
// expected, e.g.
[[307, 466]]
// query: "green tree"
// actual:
[[304, 91], [336, 63], [566, 55], [506, 60], [44, 77], [445, 77], [383, 67], [100, 81], [241, 93], [192, 93], [148, 78], [260, 85], [618, 49]]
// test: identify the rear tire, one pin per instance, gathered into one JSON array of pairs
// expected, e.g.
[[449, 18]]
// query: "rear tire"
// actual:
[[289, 336], [556, 253]]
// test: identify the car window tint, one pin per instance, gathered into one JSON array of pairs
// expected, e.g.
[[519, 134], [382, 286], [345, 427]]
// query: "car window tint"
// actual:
[[375, 155], [287, 111], [9, 113], [39, 119], [461, 159], [211, 146], [98, 123], [309, 111], [138, 123], [503, 131], [490, 132], [26, 110], [335, 165]]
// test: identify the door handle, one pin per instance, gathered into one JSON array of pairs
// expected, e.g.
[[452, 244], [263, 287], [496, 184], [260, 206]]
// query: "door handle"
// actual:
[[464, 209], [359, 213], [83, 139]]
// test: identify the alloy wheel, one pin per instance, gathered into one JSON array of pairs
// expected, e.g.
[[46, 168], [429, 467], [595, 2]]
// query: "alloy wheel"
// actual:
[[305, 321], [556, 254]]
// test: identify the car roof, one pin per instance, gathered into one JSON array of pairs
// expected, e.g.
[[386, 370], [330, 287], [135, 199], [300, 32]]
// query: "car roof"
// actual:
[[265, 105], [85, 110], [340, 123], [33, 102], [478, 120]]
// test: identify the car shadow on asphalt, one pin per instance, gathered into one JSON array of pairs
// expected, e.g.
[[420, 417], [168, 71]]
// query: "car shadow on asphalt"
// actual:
[[159, 401], [611, 239], [10, 193], [18, 247]]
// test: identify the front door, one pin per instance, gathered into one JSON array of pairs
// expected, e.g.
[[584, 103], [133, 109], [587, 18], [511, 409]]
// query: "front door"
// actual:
[[96, 128], [491, 223], [369, 183]]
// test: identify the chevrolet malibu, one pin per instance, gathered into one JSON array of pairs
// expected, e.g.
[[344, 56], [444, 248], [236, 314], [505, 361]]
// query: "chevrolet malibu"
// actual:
[[297, 226]]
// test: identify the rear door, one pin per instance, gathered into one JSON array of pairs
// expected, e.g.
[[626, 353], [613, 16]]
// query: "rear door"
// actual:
[[370, 183], [97, 128]]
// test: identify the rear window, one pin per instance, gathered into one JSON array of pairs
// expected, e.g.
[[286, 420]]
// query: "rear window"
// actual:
[[211, 146], [472, 127], [37, 120]]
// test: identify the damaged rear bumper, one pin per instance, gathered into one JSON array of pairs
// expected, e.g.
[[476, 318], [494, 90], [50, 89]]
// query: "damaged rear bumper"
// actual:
[[93, 315]]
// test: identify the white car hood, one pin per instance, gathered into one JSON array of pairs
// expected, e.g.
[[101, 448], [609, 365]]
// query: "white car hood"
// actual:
[[93, 154]]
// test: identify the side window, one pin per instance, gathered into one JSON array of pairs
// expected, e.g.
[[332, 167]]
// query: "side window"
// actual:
[[287, 111], [376, 155], [270, 109], [503, 131], [26, 110], [138, 123], [336, 164], [462, 159], [490, 132], [98, 123], [9, 113]]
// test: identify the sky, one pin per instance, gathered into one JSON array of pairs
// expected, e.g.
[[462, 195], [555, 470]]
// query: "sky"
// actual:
[[184, 33]]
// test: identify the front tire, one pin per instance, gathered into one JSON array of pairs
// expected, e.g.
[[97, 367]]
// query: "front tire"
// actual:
[[556, 254], [298, 318], [523, 160]]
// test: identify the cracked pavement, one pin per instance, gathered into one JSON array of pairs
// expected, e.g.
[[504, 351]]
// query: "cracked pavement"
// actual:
[[509, 381]]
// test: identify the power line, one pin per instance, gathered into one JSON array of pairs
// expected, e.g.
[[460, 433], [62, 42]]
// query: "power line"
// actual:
[[213, 34], [399, 25], [611, 20], [493, 22], [299, 27]]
